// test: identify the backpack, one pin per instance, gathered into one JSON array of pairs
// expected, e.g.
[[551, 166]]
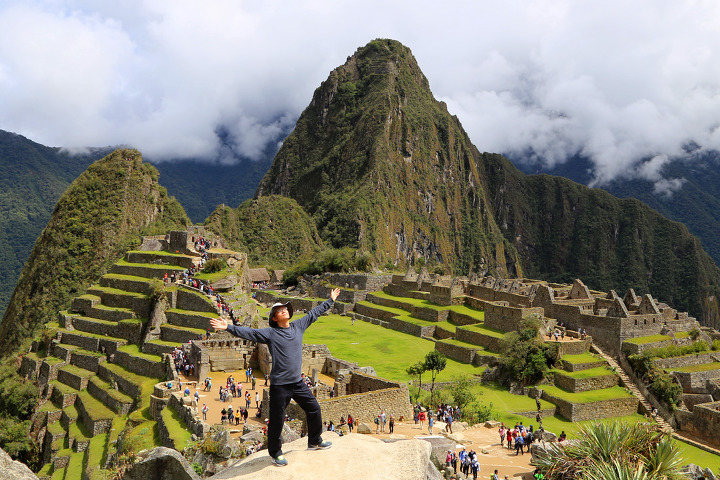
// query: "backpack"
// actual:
[[377, 421]]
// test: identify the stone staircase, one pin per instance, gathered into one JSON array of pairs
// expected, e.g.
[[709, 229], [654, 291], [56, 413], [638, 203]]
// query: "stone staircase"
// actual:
[[628, 383]]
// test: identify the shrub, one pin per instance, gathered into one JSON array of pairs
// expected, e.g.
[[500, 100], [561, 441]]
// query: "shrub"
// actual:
[[665, 389], [215, 265]]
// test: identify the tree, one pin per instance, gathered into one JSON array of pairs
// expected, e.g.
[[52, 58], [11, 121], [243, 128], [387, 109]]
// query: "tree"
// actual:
[[461, 392], [434, 363], [416, 370]]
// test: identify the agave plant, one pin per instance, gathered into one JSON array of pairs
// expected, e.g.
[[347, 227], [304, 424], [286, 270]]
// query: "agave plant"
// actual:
[[612, 451]]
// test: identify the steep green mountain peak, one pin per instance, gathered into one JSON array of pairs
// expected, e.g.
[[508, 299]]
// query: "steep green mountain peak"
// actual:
[[97, 218], [382, 166]]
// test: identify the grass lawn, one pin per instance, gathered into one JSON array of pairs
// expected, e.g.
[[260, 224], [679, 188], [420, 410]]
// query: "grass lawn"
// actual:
[[388, 351], [492, 332], [698, 368], [586, 357], [150, 265], [648, 339], [75, 466], [134, 350], [176, 427], [589, 396], [591, 372], [193, 312]]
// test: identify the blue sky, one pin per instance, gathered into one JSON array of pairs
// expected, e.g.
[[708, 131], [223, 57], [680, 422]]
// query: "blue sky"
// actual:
[[617, 81]]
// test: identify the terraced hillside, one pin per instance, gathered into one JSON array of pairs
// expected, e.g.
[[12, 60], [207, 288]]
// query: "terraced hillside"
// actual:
[[584, 386], [105, 358]]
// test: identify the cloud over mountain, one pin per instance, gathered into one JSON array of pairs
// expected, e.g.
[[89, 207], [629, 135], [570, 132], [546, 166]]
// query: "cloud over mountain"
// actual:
[[618, 82]]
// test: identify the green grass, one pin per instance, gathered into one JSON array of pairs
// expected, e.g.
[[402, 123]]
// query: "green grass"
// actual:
[[134, 350], [53, 360], [176, 427], [164, 343], [697, 368], [388, 351], [92, 335], [78, 431], [165, 253], [75, 466], [590, 372], [212, 277], [193, 312], [589, 396], [71, 412], [682, 334], [143, 437], [64, 389], [80, 372], [97, 450], [55, 428], [134, 278], [648, 339], [492, 332], [196, 331], [698, 456], [154, 266], [94, 408], [82, 351], [139, 380], [117, 291], [58, 474], [582, 358], [478, 348], [116, 394]]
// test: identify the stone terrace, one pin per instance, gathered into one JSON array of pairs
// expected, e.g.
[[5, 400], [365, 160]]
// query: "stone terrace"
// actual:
[[107, 356]]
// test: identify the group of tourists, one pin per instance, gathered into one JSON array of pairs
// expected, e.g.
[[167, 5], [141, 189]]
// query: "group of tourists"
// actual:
[[520, 436], [229, 415], [468, 461], [382, 420], [182, 364]]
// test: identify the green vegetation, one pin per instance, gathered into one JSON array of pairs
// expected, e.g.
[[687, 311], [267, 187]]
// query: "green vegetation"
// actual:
[[134, 350], [586, 357], [649, 339], [588, 373], [526, 358], [613, 451], [699, 368], [330, 260], [176, 428], [588, 396], [272, 230], [388, 351], [78, 244]]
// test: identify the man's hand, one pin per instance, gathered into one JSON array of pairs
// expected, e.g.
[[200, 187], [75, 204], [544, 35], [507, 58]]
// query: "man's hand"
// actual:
[[334, 293], [218, 323]]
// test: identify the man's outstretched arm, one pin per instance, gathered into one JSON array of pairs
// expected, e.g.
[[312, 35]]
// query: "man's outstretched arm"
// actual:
[[253, 334]]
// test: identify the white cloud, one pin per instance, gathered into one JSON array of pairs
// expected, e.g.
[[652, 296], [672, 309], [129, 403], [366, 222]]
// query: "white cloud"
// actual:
[[618, 82]]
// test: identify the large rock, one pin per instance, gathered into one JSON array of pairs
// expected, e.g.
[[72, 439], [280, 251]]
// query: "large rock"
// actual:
[[406, 459], [288, 434], [439, 448], [227, 446], [161, 463], [253, 436], [13, 470], [364, 428], [695, 472]]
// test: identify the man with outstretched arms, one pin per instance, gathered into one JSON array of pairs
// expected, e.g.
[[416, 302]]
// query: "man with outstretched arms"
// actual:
[[285, 341]]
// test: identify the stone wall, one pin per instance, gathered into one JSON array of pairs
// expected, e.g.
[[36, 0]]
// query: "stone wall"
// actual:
[[456, 352], [491, 295], [86, 361], [574, 348], [631, 348], [410, 328], [577, 412], [686, 360], [703, 422], [461, 318], [140, 365], [126, 284], [508, 319], [104, 396], [576, 367], [370, 283], [566, 382], [227, 354], [95, 427], [29, 367], [159, 259], [186, 411], [49, 371], [313, 357], [429, 314], [125, 386], [147, 272], [476, 337], [695, 382], [190, 299]]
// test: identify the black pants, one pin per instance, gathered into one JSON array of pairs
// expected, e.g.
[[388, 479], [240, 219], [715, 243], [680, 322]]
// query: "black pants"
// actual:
[[280, 396]]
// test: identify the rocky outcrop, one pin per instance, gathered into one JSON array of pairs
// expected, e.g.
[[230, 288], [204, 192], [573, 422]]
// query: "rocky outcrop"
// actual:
[[406, 459], [13, 470], [161, 463]]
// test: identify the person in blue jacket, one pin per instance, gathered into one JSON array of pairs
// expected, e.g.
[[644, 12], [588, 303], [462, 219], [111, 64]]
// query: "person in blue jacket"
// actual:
[[285, 341]]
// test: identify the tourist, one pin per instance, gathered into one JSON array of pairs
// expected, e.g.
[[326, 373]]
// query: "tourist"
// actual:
[[519, 445], [501, 431], [223, 417], [204, 411], [350, 423], [562, 436], [392, 422], [448, 423], [475, 466], [431, 422], [238, 414], [495, 475], [383, 420], [257, 399], [421, 418], [285, 342]]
